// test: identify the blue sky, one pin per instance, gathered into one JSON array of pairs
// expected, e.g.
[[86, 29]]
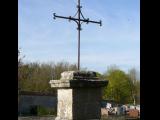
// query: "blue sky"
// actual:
[[117, 42]]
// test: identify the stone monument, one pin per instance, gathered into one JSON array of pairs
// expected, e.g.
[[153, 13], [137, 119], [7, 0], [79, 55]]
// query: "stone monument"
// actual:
[[79, 92], [79, 95]]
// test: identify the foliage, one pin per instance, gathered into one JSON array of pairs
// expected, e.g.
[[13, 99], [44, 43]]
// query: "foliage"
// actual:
[[20, 64], [134, 84], [36, 76], [120, 88], [38, 110], [45, 111]]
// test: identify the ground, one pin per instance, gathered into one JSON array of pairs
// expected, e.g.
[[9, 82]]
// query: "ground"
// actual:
[[53, 117]]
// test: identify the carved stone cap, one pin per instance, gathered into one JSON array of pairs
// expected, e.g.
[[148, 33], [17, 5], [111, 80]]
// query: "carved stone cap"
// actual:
[[78, 75], [75, 79], [78, 83]]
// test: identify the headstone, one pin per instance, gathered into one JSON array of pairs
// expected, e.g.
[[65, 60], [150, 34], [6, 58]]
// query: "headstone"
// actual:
[[133, 113], [79, 95], [104, 112], [108, 105]]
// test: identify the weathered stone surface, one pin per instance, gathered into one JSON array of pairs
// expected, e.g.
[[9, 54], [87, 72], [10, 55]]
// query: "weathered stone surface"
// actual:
[[104, 112], [79, 104], [133, 113], [67, 75], [79, 95], [87, 103], [65, 101], [78, 75], [77, 83]]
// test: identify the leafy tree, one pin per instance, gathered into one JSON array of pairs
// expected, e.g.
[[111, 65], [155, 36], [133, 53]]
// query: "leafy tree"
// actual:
[[118, 88], [36, 76], [135, 84], [20, 64]]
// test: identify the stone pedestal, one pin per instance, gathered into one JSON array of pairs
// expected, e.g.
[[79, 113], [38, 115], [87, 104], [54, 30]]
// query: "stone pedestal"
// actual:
[[79, 95]]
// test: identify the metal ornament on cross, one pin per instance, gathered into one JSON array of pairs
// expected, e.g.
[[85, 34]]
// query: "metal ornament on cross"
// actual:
[[79, 22]]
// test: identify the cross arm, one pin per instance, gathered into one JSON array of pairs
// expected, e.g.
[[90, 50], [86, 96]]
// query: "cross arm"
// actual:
[[68, 18], [87, 21], [76, 19]]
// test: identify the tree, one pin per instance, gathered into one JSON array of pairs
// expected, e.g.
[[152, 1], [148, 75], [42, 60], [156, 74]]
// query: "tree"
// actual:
[[36, 76], [134, 84], [118, 88], [20, 64], [20, 58]]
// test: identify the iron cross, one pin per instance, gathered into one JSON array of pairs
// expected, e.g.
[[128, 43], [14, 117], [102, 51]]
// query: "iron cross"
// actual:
[[79, 22]]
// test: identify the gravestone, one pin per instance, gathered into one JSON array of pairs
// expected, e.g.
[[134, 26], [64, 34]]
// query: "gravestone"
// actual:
[[79, 95]]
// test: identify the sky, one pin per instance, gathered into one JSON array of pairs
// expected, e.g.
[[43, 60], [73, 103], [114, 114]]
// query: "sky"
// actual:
[[116, 42]]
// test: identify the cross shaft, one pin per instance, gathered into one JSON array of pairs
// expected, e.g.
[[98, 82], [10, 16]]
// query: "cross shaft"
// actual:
[[79, 22]]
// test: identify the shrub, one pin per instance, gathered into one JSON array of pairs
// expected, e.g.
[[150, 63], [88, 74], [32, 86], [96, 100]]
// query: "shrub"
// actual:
[[45, 111]]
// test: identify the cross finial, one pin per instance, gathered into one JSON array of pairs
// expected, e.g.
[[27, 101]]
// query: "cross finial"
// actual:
[[79, 22]]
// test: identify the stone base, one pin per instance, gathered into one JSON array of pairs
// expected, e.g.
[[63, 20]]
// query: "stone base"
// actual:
[[78, 99], [65, 101], [79, 104], [58, 118]]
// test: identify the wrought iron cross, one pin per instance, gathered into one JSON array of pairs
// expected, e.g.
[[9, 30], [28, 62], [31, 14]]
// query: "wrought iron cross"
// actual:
[[79, 22]]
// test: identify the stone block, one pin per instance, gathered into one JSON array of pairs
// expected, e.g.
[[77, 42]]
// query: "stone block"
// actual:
[[104, 112], [133, 113], [79, 95]]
